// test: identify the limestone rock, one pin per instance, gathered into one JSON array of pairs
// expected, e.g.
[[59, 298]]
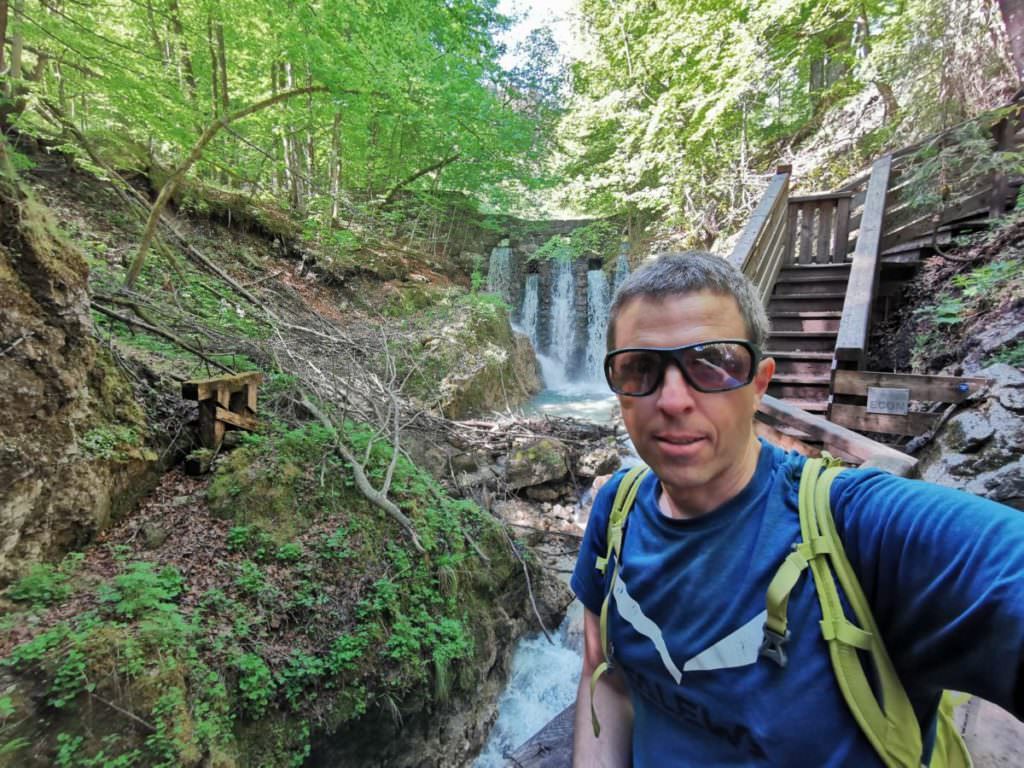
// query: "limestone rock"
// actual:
[[535, 462], [600, 461], [980, 449]]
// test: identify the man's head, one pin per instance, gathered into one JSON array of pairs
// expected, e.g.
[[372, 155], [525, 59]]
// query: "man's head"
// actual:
[[675, 274], [691, 410]]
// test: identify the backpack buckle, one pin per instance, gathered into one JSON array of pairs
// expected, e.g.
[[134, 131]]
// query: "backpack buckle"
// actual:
[[771, 647]]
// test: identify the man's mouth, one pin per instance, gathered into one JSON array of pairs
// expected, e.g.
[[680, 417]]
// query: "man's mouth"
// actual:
[[679, 439]]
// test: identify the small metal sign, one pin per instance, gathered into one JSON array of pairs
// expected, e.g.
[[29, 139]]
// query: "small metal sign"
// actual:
[[891, 400]]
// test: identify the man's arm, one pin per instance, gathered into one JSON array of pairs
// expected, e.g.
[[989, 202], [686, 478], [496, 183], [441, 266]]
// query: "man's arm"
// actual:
[[611, 701]]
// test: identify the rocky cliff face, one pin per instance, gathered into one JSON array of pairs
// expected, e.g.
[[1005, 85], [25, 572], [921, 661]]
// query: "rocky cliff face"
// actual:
[[62, 473]]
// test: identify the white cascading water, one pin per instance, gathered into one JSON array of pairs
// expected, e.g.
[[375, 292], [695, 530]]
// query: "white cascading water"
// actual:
[[542, 684], [563, 315], [621, 269], [597, 325], [499, 271], [528, 315]]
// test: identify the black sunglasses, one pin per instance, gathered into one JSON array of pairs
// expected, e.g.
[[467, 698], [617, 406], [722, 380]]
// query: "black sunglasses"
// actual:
[[709, 366]]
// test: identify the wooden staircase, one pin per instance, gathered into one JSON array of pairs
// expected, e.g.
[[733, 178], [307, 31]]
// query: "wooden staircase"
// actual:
[[804, 308]]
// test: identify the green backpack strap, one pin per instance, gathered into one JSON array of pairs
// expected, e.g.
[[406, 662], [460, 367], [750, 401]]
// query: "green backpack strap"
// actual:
[[625, 495], [890, 725]]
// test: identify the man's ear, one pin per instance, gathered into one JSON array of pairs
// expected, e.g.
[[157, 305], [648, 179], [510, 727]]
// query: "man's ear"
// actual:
[[765, 371]]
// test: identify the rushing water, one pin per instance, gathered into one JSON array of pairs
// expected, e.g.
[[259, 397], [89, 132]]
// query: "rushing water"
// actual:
[[597, 323], [543, 683], [528, 314], [563, 313]]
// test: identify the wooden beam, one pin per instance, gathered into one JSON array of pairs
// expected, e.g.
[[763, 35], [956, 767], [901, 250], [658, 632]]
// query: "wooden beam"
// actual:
[[820, 197], [851, 343], [943, 389], [851, 443], [203, 389], [237, 419], [857, 417], [777, 189]]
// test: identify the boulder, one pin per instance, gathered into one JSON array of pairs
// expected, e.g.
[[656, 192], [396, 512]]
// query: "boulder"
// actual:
[[599, 461], [535, 462], [979, 449]]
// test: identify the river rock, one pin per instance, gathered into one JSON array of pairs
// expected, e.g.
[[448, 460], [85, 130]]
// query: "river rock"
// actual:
[[537, 461], [979, 449], [599, 461]]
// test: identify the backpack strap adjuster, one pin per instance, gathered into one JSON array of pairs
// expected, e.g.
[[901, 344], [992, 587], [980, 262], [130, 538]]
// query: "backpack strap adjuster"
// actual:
[[771, 647]]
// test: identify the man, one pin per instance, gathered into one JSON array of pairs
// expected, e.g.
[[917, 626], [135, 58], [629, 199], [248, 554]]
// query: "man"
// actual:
[[942, 570]]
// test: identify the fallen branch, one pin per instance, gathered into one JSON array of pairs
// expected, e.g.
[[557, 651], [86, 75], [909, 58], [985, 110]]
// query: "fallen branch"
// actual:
[[375, 497], [159, 332], [529, 587]]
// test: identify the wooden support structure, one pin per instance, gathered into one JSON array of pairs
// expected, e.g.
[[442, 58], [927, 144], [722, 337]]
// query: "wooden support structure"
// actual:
[[850, 390], [852, 340], [760, 251], [837, 439], [224, 401]]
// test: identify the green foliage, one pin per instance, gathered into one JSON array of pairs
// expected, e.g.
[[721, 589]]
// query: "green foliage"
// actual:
[[45, 584], [1012, 354], [110, 441], [255, 684]]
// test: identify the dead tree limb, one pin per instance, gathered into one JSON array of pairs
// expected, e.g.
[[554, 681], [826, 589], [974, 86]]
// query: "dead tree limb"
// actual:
[[375, 497]]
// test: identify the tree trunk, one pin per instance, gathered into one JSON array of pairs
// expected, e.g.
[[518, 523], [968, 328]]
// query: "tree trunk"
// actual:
[[214, 79], [184, 57], [3, 45], [335, 169], [222, 63], [17, 40], [179, 173], [1013, 18], [293, 152]]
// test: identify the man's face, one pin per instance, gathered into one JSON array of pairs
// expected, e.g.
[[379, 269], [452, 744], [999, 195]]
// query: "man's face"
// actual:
[[700, 445]]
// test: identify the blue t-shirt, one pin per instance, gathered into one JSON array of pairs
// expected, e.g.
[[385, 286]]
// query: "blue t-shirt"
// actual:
[[942, 570]]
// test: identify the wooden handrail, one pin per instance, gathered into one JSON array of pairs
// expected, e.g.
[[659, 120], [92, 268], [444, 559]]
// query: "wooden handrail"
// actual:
[[759, 251], [852, 338], [868, 452]]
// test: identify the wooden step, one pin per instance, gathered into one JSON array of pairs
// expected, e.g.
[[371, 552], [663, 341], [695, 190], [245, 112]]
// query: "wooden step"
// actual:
[[804, 302], [802, 379], [817, 287], [807, 321], [810, 341], [790, 366], [798, 392], [811, 406]]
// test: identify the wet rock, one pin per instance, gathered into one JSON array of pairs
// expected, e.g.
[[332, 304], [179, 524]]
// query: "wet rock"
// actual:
[[980, 449], [600, 461], [968, 431], [543, 493], [536, 462]]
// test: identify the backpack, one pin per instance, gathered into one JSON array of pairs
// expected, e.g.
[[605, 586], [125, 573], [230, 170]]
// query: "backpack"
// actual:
[[890, 724]]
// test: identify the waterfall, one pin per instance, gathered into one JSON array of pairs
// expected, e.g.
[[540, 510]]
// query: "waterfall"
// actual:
[[621, 267], [528, 314], [597, 324], [499, 270], [542, 684], [563, 317]]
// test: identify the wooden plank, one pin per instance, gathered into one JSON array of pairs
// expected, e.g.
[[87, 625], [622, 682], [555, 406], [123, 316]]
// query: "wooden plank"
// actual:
[[857, 417], [777, 189], [772, 257], [826, 212], [202, 389], [806, 227], [550, 747], [943, 389], [237, 419], [820, 197], [851, 443], [852, 341], [842, 239], [789, 255]]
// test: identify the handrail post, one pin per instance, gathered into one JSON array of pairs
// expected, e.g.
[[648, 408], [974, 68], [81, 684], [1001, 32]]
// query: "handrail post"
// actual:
[[758, 231], [852, 338]]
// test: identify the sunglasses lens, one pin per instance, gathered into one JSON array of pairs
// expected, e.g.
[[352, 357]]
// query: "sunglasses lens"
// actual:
[[718, 366], [634, 372]]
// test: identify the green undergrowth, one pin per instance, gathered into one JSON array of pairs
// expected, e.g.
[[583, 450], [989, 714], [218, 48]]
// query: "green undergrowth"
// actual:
[[599, 240], [318, 611], [455, 334]]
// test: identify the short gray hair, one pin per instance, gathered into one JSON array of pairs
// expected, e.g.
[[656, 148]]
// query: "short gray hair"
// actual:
[[675, 274]]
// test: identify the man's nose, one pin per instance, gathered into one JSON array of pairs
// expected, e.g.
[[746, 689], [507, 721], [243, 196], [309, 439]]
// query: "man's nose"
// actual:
[[675, 394]]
